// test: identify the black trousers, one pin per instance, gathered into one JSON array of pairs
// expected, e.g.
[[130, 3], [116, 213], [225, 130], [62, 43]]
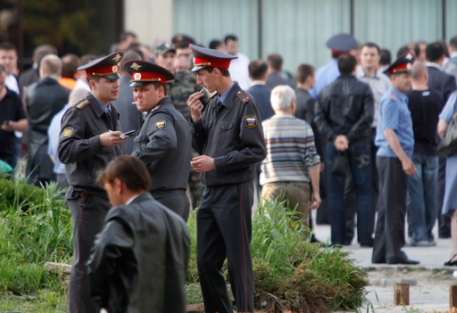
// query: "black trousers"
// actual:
[[444, 221], [390, 228], [88, 213], [178, 202], [224, 230]]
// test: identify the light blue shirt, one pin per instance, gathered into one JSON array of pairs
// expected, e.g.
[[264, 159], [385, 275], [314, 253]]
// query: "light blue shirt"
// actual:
[[225, 94], [325, 75], [53, 143], [104, 108], [450, 108], [394, 114]]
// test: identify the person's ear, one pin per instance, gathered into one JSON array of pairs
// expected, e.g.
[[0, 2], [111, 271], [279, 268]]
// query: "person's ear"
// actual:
[[119, 186]]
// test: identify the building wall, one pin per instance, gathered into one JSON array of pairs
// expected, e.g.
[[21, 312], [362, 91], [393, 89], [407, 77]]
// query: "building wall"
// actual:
[[149, 19], [297, 29]]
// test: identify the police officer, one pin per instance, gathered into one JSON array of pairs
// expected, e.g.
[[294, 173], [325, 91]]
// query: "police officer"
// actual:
[[89, 139], [164, 140], [395, 139], [229, 136]]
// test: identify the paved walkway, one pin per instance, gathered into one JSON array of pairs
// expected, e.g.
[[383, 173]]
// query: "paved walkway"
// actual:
[[425, 295]]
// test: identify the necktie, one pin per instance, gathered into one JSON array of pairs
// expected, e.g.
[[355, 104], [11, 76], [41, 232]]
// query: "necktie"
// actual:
[[110, 119]]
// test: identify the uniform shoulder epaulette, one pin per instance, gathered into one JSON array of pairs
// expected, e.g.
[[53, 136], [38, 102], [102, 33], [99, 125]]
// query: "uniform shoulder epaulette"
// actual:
[[243, 96], [82, 104]]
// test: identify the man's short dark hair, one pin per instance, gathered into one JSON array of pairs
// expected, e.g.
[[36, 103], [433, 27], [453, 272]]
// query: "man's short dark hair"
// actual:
[[275, 61], [372, 45], [257, 69], [303, 71], [386, 58], [230, 37], [157, 85], [214, 44], [445, 49], [434, 52], [225, 72], [70, 63], [453, 42], [346, 64], [130, 170], [44, 50], [124, 35], [403, 50], [7, 46]]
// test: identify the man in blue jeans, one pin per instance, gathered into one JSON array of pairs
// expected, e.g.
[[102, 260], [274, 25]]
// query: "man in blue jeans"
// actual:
[[425, 105], [344, 114]]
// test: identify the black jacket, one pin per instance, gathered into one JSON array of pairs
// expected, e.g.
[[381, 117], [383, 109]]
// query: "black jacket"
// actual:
[[441, 81], [80, 148], [163, 144], [232, 135], [139, 260], [44, 100], [345, 107]]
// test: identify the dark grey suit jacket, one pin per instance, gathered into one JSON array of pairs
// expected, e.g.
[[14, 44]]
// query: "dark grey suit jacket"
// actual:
[[275, 79], [444, 83]]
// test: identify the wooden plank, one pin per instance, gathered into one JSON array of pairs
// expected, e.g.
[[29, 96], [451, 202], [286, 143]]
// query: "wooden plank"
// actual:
[[452, 297], [401, 294]]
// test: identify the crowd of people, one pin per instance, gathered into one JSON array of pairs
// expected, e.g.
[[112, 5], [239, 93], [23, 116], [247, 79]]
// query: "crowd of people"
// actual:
[[157, 131]]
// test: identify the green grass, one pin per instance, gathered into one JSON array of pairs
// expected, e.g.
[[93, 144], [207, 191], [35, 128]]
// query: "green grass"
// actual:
[[290, 273]]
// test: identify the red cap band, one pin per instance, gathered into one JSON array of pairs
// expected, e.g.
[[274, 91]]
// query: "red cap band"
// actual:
[[338, 52], [148, 76], [400, 68], [102, 70], [221, 63]]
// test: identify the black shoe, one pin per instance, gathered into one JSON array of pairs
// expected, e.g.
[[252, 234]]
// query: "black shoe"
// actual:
[[450, 262], [314, 239], [404, 260], [366, 245]]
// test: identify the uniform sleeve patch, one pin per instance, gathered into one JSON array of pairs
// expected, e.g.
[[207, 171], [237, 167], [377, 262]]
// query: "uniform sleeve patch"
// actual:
[[82, 104], [161, 124], [67, 132], [250, 121]]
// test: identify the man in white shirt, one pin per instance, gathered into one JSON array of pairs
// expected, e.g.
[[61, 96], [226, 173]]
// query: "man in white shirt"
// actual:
[[238, 67]]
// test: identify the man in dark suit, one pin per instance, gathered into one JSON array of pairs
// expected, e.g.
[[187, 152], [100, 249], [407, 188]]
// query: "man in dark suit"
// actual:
[[144, 241], [259, 90], [274, 72], [437, 79], [445, 85], [129, 116], [44, 99], [32, 75]]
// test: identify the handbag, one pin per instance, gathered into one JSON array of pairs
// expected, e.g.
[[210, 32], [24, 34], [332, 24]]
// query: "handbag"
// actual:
[[448, 144], [340, 163]]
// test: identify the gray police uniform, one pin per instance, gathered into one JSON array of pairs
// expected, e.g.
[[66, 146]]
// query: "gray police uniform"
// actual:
[[230, 133], [164, 144], [82, 153]]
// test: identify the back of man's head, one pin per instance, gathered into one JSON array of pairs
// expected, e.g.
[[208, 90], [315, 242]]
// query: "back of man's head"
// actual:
[[386, 58], [51, 65], [419, 72], [275, 62], [453, 42], [346, 64], [281, 98], [214, 44], [403, 50], [434, 52], [70, 64], [43, 50], [303, 72], [257, 70], [129, 55], [131, 171]]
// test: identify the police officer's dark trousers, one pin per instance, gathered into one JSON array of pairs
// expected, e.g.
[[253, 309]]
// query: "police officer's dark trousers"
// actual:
[[88, 213], [390, 228], [175, 200], [224, 230]]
